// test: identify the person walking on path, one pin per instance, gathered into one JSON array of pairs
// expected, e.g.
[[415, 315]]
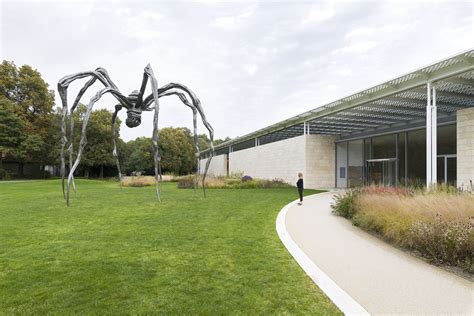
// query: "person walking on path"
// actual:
[[299, 184]]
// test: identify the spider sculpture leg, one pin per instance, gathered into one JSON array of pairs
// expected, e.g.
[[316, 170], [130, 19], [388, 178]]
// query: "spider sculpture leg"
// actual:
[[63, 84], [156, 158], [83, 140], [71, 124], [118, 107], [185, 101], [196, 104]]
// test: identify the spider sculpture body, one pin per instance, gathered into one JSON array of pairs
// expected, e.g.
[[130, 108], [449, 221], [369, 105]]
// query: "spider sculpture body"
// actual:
[[135, 104]]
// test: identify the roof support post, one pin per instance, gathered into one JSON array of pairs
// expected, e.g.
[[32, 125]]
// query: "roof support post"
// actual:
[[304, 128], [434, 137], [431, 136]]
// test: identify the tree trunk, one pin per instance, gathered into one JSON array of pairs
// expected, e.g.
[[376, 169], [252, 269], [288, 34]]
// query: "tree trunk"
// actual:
[[86, 172], [101, 172]]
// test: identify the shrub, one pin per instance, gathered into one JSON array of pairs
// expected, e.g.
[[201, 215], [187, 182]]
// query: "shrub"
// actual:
[[4, 174], [246, 178], [344, 204]]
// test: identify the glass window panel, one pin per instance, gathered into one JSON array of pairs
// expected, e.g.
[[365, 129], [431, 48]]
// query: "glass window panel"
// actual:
[[446, 137], [440, 169], [451, 170], [401, 158], [416, 157], [384, 146]]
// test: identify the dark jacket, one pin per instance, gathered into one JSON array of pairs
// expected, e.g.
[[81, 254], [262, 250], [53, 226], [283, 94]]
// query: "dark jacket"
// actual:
[[299, 184]]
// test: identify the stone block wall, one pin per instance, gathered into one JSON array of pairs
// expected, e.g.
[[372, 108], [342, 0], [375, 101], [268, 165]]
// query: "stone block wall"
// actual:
[[218, 166], [320, 161], [313, 155], [282, 159], [465, 147]]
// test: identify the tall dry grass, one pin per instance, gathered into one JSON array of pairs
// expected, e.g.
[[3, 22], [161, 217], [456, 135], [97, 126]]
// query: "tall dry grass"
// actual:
[[231, 183], [437, 224], [393, 214], [143, 181]]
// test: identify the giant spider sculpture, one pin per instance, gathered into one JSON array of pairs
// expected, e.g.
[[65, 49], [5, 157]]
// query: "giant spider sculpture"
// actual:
[[135, 104]]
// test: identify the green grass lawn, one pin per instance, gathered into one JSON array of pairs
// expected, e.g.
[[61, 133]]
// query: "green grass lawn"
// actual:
[[117, 252]]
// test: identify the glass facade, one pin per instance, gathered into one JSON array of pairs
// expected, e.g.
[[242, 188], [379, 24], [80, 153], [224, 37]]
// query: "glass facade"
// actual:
[[395, 159]]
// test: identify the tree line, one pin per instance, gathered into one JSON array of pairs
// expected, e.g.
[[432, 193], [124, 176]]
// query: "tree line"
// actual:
[[30, 133]]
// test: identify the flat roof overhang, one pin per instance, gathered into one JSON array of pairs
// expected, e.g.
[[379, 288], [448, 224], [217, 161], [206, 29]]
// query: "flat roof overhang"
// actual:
[[396, 103]]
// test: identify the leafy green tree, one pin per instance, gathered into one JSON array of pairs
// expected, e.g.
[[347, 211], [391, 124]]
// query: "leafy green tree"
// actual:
[[32, 103], [177, 150], [98, 150], [10, 130], [138, 156]]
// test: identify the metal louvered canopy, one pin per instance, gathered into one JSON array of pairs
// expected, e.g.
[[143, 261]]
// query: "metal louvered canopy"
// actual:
[[397, 102]]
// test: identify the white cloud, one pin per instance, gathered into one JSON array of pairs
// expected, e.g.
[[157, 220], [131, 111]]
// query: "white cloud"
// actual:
[[233, 22], [356, 48], [251, 69], [317, 16], [227, 23], [247, 62]]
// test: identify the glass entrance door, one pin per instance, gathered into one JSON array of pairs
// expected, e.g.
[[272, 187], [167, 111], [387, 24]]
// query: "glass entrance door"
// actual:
[[446, 169], [381, 171]]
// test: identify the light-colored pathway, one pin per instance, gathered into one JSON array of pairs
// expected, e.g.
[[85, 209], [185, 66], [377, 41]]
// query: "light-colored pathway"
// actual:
[[381, 278]]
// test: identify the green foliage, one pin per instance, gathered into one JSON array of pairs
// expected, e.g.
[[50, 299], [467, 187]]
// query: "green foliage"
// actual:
[[32, 104], [344, 204], [98, 151], [176, 147], [177, 150], [118, 251], [139, 156], [10, 128]]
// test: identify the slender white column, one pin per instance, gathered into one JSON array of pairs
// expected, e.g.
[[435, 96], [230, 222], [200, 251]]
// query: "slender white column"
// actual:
[[431, 136], [428, 135], [434, 138]]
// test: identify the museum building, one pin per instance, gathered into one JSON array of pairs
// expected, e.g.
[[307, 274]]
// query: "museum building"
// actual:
[[417, 129]]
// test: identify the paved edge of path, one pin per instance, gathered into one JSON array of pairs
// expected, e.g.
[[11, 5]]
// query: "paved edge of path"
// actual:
[[338, 296]]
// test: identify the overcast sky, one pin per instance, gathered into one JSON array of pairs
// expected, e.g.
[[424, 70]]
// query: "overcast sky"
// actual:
[[251, 63]]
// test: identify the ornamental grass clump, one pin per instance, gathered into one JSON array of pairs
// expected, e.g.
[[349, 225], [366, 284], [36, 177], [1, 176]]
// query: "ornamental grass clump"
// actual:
[[344, 204], [444, 241], [233, 183], [437, 224]]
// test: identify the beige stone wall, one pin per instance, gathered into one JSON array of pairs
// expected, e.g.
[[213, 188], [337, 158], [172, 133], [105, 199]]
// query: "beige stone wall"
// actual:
[[217, 166], [465, 146], [313, 155], [320, 161], [282, 160]]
